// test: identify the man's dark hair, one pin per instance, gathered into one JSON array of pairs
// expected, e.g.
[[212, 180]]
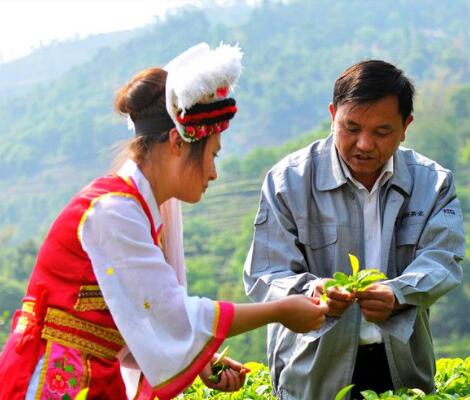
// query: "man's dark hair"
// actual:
[[371, 80]]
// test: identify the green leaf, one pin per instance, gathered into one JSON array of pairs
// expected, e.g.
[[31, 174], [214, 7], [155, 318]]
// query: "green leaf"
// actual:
[[68, 368], [66, 397], [262, 389], [354, 263], [369, 395], [341, 277], [366, 272], [221, 356], [73, 382], [343, 392], [83, 394], [329, 284]]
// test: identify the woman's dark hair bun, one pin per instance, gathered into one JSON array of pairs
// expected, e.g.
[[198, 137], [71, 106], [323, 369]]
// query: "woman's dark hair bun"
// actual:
[[144, 94]]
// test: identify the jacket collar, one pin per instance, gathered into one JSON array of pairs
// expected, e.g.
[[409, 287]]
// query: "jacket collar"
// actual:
[[331, 175]]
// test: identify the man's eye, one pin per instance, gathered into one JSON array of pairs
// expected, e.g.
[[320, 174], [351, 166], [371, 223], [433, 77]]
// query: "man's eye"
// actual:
[[352, 129], [383, 133]]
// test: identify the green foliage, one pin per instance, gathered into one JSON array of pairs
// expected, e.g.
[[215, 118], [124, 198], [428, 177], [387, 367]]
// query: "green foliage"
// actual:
[[218, 366], [257, 386], [56, 136], [452, 382], [358, 281]]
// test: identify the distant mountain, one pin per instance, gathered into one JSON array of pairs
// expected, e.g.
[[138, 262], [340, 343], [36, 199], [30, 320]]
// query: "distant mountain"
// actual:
[[47, 63], [57, 135]]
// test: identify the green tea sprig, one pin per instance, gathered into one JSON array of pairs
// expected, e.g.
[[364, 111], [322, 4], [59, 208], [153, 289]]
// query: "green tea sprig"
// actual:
[[218, 366], [359, 281]]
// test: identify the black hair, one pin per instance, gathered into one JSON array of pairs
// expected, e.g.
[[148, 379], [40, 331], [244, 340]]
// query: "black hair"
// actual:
[[371, 80]]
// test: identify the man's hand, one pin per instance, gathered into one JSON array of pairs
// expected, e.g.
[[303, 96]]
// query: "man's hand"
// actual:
[[377, 302], [338, 300]]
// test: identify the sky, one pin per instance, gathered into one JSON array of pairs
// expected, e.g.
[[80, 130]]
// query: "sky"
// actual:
[[29, 24]]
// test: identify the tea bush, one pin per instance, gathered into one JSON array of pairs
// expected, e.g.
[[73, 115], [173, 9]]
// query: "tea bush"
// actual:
[[452, 382]]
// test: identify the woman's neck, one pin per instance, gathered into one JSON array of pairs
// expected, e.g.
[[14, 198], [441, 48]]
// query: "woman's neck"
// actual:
[[158, 182]]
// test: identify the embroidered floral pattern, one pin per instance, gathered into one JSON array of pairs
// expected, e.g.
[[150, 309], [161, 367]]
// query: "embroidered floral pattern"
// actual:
[[63, 375]]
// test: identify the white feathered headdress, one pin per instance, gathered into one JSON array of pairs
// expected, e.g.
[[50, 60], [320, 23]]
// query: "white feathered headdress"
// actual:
[[197, 87]]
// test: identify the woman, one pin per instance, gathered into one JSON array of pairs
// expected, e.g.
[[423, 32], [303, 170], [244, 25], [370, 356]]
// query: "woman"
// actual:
[[108, 288]]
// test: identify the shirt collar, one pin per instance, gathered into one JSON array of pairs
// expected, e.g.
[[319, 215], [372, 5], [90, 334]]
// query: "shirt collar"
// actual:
[[385, 174], [131, 169], [334, 177]]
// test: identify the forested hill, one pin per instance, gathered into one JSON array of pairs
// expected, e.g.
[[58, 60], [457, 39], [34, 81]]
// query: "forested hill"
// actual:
[[293, 52], [57, 136]]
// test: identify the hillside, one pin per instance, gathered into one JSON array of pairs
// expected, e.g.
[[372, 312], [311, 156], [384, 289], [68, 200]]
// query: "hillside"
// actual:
[[57, 136]]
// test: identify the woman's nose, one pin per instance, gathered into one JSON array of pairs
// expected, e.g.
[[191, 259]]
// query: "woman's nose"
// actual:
[[213, 173]]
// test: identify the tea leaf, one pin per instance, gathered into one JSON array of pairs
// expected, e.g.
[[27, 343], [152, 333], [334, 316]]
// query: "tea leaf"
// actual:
[[369, 395], [221, 356], [343, 392], [354, 263], [331, 283], [341, 277]]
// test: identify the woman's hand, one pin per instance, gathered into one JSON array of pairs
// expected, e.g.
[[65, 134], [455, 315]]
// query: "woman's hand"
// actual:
[[302, 313], [337, 301], [231, 379]]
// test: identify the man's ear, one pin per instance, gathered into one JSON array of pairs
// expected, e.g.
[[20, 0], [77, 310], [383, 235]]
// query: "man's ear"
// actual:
[[332, 110], [408, 121], [176, 143]]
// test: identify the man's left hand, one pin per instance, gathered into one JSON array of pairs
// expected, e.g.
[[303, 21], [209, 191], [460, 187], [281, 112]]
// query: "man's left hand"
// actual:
[[377, 302]]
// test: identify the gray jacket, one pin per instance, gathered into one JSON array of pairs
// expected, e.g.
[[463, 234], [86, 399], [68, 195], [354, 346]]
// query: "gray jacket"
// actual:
[[309, 219]]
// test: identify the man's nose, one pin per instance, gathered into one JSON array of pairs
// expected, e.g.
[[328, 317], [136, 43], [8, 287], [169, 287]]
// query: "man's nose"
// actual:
[[365, 142]]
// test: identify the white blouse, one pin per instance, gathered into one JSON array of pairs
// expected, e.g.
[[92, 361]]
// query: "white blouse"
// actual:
[[163, 327]]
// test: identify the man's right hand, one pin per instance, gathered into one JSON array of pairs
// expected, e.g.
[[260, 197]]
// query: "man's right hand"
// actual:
[[337, 300]]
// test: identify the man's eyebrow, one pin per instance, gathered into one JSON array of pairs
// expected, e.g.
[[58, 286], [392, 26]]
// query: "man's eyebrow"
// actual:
[[350, 122]]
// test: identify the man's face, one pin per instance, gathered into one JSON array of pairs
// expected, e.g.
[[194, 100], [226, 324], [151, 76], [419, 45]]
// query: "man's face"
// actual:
[[367, 134]]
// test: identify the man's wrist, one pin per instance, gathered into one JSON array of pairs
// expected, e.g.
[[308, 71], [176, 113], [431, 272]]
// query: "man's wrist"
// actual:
[[397, 307]]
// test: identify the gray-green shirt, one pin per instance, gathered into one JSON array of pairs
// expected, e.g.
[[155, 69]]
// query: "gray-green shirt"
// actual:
[[308, 221]]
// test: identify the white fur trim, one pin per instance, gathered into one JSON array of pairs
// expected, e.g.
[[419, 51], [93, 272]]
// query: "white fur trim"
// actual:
[[197, 73]]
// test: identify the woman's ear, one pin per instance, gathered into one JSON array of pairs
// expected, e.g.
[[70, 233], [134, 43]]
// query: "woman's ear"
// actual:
[[176, 143]]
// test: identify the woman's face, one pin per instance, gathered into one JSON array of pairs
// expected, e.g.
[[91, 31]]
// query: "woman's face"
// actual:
[[195, 177]]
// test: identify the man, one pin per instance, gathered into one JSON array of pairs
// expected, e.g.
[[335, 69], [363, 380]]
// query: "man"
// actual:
[[358, 192]]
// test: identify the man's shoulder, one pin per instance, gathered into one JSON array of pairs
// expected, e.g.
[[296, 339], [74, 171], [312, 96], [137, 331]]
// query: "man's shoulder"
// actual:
[[302, 158], [419, 162]]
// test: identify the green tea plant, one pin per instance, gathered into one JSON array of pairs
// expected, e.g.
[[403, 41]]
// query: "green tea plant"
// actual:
[[257, 387], [452, 382], [359, 281], [218, 366]]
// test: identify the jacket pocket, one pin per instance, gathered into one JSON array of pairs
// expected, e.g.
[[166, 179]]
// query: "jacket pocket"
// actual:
[[318, 236], [407, 238], [319, 242]]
